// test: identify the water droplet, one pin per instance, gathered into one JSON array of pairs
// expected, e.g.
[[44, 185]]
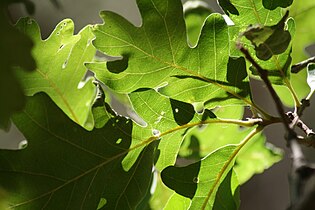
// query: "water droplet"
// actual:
[[65, 23], [196, 180], [199, 107], [22, 144], [156, 132], [176, 110], [58, 33], [61, 46], [29, 21], [119, 141]]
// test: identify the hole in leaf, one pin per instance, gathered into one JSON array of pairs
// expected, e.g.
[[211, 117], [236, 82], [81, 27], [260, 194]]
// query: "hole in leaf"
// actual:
[[118, 66], [182, 112], [119, 141]]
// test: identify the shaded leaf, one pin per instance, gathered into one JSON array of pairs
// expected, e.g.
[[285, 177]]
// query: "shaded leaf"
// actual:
[[228, 195], [159, 56], [77, 169], [273, 4], [228, 7], [182, 179], [15, 51], [255, 158], [212, 171], [60, 69], [269, 40]]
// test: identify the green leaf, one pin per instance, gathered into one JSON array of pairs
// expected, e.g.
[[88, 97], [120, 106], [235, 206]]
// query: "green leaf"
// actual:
[[159, 57], [162, 115], [273, 4], [254, 14], [201, 181], [228, 195], [60, 69], [15, 51], [65, 166], [177, 202], [195, 13], [255, 158], [201, 141]]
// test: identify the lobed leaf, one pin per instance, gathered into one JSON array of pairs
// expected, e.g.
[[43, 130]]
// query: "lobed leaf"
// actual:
[[65, 166], [156, 55], [60, 69], [201, 181]]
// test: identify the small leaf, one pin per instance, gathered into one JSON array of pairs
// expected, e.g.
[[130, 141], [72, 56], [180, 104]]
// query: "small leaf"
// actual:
[[269, 40], [60, 69]]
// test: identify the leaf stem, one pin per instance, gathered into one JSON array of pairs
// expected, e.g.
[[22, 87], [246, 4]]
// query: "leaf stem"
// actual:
[[264, 76]]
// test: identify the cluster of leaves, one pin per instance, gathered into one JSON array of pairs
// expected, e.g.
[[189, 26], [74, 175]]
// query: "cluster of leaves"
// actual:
[[190, 96]]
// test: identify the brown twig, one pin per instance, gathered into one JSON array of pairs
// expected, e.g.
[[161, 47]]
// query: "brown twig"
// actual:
[[299, 66]]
